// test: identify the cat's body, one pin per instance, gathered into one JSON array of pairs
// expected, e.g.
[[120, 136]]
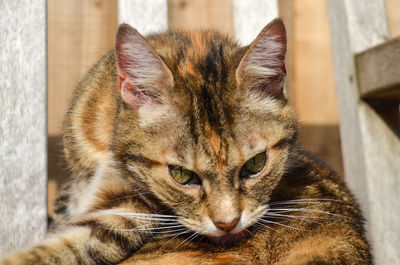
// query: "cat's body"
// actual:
[[194, 105]]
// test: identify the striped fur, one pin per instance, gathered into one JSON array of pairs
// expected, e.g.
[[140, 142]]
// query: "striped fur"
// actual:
[[198, 100]]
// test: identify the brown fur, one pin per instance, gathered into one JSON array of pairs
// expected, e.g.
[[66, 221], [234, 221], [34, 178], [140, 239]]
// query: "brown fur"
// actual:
[[197, 100]]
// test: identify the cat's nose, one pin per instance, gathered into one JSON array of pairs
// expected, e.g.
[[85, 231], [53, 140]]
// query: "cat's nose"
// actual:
[[227, 226]]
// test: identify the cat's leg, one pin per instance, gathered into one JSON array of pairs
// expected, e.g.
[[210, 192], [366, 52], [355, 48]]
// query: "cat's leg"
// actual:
[[112, 222], [95, 239], [334, 245], [188, 257]]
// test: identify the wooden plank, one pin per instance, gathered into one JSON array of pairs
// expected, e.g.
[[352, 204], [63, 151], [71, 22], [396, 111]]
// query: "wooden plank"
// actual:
[[346, 41], [379, 70], [286, 12], [309, 82], [146, 16], [371, 150], [201, 14], [23, 167], [250, 17], [393, 13], [65, 19], [314, 87], [79, 33]]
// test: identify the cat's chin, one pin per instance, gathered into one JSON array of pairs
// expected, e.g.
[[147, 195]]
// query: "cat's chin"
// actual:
[[230, 239]]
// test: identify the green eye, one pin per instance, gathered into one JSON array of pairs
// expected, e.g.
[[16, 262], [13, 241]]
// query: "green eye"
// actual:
[[183, 176], [254, 165]]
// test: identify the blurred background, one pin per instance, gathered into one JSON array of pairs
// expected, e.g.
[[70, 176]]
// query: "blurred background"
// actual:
[[81, 31]]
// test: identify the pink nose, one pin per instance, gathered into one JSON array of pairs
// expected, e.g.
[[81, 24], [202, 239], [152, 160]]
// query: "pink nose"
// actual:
[[227, 226]]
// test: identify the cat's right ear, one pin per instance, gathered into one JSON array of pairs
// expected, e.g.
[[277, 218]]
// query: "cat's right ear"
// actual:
[[142, 75], [262, 68]]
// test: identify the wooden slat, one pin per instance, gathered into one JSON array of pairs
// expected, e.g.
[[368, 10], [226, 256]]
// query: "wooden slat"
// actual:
[[79, 33], [147, 16], [393, 12], [309, 80], [371, 149], [314, 88], [286, 12], [23, 156], [249, 18], [346, 41], [201, 14], [379, 71]]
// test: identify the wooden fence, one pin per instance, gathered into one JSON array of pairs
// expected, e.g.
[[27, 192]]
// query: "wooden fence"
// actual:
[[79, 32]]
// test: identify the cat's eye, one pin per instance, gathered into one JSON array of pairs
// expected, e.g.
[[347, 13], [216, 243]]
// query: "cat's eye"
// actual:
[[253, 166], [183, 176]]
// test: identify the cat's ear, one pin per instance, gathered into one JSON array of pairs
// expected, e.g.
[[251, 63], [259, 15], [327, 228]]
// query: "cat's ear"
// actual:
[[262, 68], [142, 75]]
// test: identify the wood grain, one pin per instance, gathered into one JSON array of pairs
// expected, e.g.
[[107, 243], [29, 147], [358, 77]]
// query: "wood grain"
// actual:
[[393, 13], [201, 14], [313, 82], [79, 33], [371, 148]]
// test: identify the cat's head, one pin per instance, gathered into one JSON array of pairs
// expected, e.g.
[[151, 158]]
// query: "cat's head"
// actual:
[[204, 124]]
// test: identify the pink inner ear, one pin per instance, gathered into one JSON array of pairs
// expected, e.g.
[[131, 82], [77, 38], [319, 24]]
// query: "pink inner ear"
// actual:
[[143, 76], [263, 66]]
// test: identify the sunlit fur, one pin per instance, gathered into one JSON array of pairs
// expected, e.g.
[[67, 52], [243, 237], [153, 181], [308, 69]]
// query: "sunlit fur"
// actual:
[[200, 101]]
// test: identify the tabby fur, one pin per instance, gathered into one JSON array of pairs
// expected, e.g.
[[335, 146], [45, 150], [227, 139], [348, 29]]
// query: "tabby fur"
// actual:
[[199, 100]]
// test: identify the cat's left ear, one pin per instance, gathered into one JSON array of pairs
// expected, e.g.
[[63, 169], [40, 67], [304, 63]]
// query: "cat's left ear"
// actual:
[[142, 75], [262, 68]]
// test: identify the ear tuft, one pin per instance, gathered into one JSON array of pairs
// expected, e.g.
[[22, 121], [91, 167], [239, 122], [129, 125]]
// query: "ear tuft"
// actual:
[[262, 68], [143, 76]]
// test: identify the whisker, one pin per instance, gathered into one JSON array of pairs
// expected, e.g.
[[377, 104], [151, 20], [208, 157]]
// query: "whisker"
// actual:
[[168, 231], [153, 215], [283, 216], [315, 211], [142, 217], [189, 238], [162, 227], [175, 236], [277, 223], [267, 226], [309, 200], [145, 230]]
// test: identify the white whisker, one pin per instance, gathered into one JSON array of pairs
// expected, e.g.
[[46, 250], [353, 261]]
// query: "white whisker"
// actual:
[[264, 225], [283, 216], [186, 240], [142, 217], [277, 223], [309, 200], [175, 236], [313, 211]]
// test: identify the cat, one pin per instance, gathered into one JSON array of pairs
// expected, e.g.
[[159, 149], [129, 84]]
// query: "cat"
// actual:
[[182, 150]]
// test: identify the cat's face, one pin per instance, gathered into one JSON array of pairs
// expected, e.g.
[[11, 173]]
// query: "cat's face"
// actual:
[[206, 128]]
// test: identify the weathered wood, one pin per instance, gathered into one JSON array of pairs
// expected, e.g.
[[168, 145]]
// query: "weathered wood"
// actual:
[[79, 33], [286, 12], [393, 11], [147, 16], [23, 167], [371, 150], [314, 88], [379, 70], [201, 14], [309, 81], [249, 18]]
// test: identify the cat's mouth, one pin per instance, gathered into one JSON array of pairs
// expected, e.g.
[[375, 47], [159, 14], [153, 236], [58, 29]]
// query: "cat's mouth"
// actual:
[[230, 239]]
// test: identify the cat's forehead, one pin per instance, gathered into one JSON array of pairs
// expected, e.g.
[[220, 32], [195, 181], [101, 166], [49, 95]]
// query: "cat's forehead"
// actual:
[[200, 55]]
